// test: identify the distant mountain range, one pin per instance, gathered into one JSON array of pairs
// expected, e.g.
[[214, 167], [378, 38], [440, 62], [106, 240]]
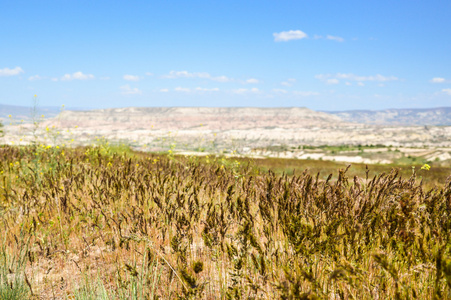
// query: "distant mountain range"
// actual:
[[406, 117], [252, 127], [420, 116], [25, 113], [211, 118]]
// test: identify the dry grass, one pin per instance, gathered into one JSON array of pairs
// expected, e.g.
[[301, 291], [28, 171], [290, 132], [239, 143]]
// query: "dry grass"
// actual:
[[436, 176], [96, 224]]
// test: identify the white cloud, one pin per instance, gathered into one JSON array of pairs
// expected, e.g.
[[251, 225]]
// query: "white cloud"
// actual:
[[252, 81], [240, 91], [348, 83], [447, 91], [127, 90], [335, 38], [332, 81], [245, 91], [180, 89], [186, 74], [305, 94], [77, 76], [177, 74], [286, 36], [11, 72], [377, 77], [202, 75], [333, 78], [289, 82], [164, 90], [54, 79], [199, 89], [105, 78], [221, 79], [131, 77], [149, 74], [329, 37], [438, 80], [35, 77], [360, 83], [322, 77], [281, 91]]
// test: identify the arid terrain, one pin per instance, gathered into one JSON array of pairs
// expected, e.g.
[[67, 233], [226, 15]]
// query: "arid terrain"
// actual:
[[428, 116], [260, 132]]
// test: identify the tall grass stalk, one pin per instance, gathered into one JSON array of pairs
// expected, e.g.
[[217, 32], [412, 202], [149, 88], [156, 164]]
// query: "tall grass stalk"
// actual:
[[13, 281]]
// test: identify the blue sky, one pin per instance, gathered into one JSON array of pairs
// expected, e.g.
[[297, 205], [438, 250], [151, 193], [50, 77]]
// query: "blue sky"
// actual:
[[324, 55]]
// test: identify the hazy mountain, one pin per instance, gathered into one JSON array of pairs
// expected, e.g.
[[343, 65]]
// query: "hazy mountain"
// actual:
[[25, 113], [214, 118], [426, 116], [203, 127], [225, 117]]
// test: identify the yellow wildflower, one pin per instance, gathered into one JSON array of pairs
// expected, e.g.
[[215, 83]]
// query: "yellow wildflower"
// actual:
[[425, 167]]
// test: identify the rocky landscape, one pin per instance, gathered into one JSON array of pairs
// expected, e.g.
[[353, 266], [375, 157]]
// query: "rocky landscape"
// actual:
[[440, 116], [250, 131]]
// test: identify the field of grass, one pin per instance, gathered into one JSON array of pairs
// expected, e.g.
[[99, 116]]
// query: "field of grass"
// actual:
[[105, 223], [436, 176]]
